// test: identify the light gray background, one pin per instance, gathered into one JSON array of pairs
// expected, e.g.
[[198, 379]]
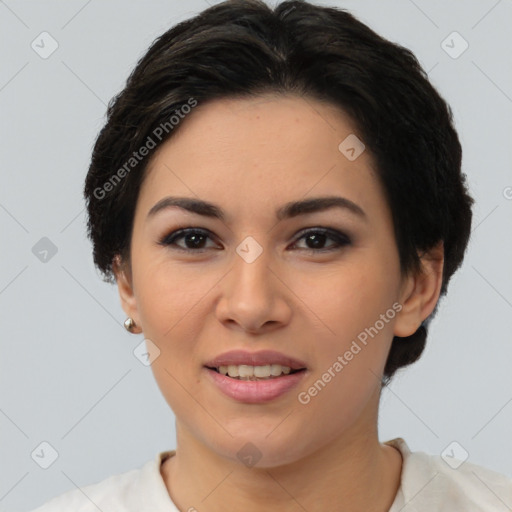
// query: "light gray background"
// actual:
[[68, 375]]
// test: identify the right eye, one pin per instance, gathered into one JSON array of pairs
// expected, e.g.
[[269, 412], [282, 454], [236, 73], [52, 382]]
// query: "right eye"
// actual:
[[194, 239]]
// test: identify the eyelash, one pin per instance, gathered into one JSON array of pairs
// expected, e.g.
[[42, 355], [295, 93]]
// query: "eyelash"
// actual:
[[339, 238]]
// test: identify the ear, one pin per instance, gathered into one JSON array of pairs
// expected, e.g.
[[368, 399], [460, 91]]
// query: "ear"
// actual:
[[420, 292], [123, 275]]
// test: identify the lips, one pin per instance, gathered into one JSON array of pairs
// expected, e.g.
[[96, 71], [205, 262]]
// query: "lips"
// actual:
[[246, 386], [261, 358]]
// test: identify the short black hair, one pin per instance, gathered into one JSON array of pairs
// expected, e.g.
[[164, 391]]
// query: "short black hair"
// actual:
[[244, 48]]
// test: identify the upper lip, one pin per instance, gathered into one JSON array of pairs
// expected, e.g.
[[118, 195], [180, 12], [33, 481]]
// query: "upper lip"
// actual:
[[261, 358]]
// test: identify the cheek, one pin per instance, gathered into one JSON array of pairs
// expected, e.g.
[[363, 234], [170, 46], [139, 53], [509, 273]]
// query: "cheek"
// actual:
[[169, 296], [171, 309], [355, 306], [350, 299]]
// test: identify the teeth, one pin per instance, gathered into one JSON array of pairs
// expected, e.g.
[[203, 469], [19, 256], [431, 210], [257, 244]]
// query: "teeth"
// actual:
[[233, 370], [277, 367], [262, 371], [247, 372]]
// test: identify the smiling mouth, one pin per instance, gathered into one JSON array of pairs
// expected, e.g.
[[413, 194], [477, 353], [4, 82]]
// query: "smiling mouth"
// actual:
[[255, 373]]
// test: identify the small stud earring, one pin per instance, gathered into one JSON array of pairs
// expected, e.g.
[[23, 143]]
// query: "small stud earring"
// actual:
[[129, 325]]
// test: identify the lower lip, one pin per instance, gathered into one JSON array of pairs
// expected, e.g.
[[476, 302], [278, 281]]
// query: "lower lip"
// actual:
[[255, 391]]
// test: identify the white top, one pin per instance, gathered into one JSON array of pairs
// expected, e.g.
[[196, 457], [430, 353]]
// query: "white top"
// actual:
[[428, 484]]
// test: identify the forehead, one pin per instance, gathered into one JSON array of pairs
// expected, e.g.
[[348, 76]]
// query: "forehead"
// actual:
[[258, 150], [281, 125]]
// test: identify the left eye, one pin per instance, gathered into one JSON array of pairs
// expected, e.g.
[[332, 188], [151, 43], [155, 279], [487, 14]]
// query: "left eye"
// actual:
[[195, 239], [317, 237]]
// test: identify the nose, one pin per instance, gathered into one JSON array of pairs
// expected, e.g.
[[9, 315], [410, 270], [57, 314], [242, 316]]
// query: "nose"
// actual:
[[254, 297]]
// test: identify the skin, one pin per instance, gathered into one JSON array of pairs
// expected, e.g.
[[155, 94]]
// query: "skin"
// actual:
[[250, 157]]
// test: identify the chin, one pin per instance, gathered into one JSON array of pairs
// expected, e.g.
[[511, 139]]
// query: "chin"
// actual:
[[257, 449]]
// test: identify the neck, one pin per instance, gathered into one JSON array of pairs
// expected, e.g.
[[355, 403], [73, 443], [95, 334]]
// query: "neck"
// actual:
[[353, 473]]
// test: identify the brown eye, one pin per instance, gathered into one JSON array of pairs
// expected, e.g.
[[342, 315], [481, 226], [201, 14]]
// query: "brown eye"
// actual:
[[194, 240], [315, 239]]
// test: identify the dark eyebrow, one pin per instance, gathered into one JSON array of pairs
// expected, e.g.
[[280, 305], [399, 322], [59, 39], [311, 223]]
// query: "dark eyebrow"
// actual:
[[289, 210], [318, 204]]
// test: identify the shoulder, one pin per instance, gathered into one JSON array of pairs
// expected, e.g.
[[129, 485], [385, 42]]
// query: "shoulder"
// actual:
[[124, 492], [111, 492], [443, 483]]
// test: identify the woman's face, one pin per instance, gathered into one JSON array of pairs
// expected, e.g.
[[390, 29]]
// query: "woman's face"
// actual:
[[254, 281]]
